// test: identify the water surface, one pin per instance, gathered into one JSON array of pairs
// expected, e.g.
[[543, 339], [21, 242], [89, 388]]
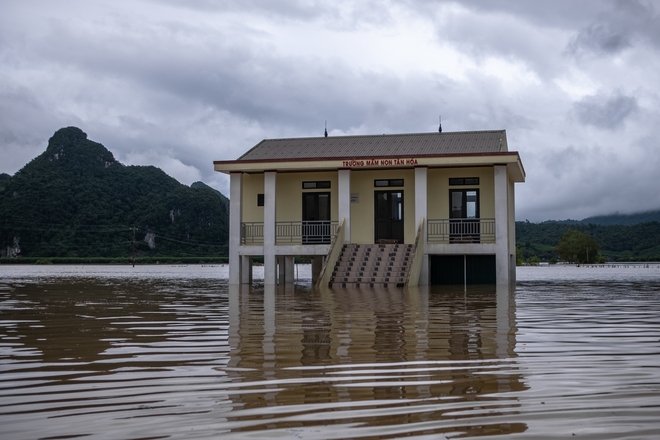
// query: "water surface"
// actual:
[[173, 352]]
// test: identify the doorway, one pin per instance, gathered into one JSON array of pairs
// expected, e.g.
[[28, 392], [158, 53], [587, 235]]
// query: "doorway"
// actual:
[[462, 269], [464, 226], [388, 210], [316, 218]]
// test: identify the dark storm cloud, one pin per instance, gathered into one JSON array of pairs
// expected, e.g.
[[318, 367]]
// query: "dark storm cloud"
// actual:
[[601, 38], [605, 111], [629, 22], [225, 73], [178, 84]]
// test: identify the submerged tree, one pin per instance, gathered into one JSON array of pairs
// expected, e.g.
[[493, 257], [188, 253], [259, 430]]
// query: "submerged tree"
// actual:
[[577, 247]]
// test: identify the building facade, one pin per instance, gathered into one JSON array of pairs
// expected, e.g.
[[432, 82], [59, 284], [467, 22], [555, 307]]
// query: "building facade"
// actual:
[[449, 197]]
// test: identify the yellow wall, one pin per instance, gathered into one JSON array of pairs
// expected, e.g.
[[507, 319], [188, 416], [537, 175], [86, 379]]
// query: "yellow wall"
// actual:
[[438, 190], [289, 199], [253, 184], [362, 213], [289, 194]]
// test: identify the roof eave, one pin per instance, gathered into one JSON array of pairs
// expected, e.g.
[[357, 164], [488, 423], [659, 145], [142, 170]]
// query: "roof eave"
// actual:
[[511, 158]]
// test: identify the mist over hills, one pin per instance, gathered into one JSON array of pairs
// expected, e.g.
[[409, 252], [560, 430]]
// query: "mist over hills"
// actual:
[[76, 200], [624, 219]]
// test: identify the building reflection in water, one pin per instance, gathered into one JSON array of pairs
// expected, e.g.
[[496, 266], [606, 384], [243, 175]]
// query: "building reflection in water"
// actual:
[[438, 358]]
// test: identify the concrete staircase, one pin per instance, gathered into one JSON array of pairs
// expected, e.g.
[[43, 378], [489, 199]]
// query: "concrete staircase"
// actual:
[[372, 265]]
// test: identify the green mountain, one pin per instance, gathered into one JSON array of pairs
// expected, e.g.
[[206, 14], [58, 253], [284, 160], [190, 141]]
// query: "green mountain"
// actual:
[[76, 200]]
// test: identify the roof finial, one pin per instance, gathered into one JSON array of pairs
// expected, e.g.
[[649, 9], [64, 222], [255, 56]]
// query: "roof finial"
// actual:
[[440, 122], [326, 128]]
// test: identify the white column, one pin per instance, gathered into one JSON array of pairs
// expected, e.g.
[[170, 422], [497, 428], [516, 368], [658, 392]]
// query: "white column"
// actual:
[[289, 269], [270, 263], [421, 212], [246, 269], [268, 344], [344, 204], [512, 234], [280, 269], [235, 219], [501, 225], [317, 266], [233, 336], [504, 313]]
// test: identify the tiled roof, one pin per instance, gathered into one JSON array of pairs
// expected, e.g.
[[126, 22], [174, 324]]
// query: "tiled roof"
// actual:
[[407, 145]]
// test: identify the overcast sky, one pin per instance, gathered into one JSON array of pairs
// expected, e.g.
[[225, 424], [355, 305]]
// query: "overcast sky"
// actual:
[[181, 83]]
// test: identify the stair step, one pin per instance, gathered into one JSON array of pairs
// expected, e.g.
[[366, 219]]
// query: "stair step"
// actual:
[[366, 284], [372, 265]]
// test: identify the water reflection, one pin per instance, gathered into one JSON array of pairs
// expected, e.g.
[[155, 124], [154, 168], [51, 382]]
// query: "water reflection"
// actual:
[[429, 360], [174, 353]]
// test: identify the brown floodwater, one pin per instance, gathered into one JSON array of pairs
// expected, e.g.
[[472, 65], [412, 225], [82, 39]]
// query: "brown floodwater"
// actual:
[[172, 352]]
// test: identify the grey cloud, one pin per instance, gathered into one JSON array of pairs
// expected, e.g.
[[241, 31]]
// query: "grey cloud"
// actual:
[[626, 24], [601, 38], [166, 81], [605, 111], [345, 14], [582, 179], [557, 13], [521, 31]]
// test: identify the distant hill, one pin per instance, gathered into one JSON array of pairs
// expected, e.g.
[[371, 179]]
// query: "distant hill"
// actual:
[[624, 219], [76, 200], [202, 185], [639, 241]]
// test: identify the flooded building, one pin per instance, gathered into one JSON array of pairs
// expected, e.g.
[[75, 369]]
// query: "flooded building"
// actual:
[[377, 210]]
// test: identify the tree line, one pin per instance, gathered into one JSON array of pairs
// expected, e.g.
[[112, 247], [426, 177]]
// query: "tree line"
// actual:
[[548, 241]]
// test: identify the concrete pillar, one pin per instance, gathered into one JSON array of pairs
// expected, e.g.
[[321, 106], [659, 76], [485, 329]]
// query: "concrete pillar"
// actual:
[[235, 219], [421, 212], [317, 266], [289, 269], [505, 318], [501, 225], [280, 269], [233, 336], [268, 344], [512, 234], [344, 204], [270, 263], [246, 269]]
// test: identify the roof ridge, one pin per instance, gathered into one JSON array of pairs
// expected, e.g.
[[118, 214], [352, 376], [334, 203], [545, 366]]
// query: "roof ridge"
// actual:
[[414, 144], [444, 133]]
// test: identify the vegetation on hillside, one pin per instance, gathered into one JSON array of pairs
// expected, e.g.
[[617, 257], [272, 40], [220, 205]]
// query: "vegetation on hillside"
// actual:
[[76, 200], [617, 242]]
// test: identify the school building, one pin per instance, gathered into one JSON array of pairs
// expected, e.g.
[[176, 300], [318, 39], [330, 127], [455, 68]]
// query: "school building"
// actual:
[[376, 210]]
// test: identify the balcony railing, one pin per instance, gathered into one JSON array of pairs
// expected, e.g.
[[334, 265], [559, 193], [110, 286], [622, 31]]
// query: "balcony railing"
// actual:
[[305, 232], [252, 233], [300, 232], [461, 230]]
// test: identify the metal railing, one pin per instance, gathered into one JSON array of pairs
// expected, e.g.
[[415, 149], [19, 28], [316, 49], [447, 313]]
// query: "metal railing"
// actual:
[[252, 233], [461, 230], [305, 232], [299, 232]]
